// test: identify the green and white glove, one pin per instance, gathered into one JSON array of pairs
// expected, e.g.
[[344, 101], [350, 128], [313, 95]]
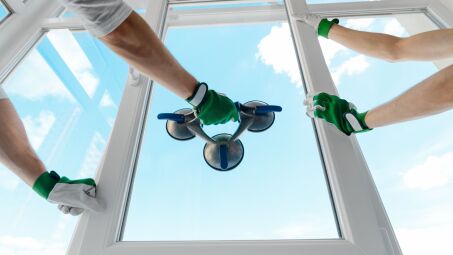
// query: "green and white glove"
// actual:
[[72, 196], [212, 107], [322, 26], [337, 111]]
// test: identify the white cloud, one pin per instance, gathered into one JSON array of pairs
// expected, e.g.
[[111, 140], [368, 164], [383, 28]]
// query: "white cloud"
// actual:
[[435, 171], [107, 101], [393, 27], [426, 240], [24, 245], [93, 156], [61, 227], [34, 80], [359, 24], [352, 66], [277, 50], [74, 56], [38, 127], [331, 49], [428, 231], [23, 242]]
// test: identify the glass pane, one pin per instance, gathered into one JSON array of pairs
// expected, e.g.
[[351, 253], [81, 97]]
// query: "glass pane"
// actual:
[[410, 162], [68, 127], [4, 12], [277, 192]]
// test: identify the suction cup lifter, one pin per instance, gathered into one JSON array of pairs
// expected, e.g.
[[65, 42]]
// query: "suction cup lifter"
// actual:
[[222, 152]]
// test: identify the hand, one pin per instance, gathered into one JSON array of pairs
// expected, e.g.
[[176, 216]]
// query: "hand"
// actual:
[[72, 196], [216, 109], [337, 111], [319, 24]]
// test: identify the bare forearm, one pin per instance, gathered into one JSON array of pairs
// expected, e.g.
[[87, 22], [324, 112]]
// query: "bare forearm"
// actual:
[[370, 44], [15, 149], [433, 95], [430, 45], [135, 41]]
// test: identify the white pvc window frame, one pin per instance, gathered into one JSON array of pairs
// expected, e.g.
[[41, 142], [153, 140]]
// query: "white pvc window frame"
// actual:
[[365, 228]]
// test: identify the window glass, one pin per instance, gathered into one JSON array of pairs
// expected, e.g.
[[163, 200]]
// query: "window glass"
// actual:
[[67, 92], [410, 162], [4, 12], [277, 192]]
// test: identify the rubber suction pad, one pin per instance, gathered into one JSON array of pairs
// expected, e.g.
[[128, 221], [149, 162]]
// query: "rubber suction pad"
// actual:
[[179, 131], [224, 155], [263, 121]]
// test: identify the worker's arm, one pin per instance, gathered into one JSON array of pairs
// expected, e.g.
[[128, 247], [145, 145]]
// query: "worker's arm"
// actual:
[[139, 46], [427, 46], [126, 33], [431, 96], [72, 196]]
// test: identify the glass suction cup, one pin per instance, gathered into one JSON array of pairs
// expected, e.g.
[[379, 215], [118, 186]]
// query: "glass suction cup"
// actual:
[[224, 155], [177, 130], [261, 121]]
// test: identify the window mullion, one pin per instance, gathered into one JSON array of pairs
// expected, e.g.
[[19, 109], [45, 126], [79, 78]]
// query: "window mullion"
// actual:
[[96, 232], [361, 216]]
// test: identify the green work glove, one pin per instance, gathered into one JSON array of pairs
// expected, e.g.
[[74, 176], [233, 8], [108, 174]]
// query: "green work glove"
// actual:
[[212, 107], [337, 111], [72, 196], [322, 26]]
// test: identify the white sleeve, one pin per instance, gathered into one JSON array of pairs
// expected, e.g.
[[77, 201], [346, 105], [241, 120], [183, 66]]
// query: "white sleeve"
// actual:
[[100, 17]]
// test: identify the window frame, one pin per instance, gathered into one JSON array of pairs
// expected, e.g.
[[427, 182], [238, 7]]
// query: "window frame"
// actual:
[[358, 205], [22, 31], [356, 201]]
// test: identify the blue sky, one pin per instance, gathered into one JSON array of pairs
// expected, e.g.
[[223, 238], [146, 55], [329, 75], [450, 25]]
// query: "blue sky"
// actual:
[[3, 11], [410, 162], [275, 182], [277, 192], [68, 124]]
